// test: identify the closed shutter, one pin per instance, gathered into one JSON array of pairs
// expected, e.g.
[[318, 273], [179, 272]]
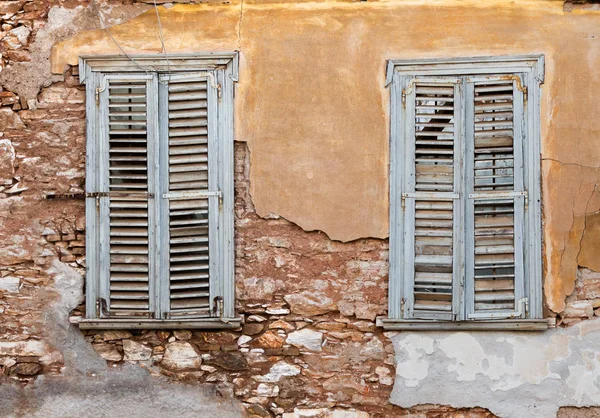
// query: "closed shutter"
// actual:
[[125, 196], [191, 201], [496, 201], [430, 201]]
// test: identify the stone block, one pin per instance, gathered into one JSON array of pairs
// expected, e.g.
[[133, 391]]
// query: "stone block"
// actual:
[[181, 355], [306, 338]]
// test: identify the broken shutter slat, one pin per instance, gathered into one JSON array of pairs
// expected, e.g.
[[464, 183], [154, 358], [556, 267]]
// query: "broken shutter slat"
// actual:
[[431, 199], [496, 204], [128, 138]]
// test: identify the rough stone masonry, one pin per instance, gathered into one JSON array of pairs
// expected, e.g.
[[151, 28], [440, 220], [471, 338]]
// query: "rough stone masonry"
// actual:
[[309, 346]]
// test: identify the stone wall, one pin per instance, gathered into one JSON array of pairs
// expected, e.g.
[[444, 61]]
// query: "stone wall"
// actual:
[[309, 346]]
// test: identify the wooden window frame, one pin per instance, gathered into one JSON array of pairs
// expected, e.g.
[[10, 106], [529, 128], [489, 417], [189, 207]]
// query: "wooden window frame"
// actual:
[[224, 67], [531, 67]]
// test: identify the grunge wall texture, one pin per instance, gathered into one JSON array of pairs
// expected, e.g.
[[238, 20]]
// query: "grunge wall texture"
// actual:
[[312, 138]]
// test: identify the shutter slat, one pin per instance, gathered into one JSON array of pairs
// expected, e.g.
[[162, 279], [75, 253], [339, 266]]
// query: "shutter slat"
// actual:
[[494, 220], [189, 288], [129, 281], [433, 220]]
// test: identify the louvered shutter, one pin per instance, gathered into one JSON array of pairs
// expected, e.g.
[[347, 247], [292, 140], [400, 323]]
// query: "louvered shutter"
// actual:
[[127, 139], [191, 196], [430, 202], [496, 201]]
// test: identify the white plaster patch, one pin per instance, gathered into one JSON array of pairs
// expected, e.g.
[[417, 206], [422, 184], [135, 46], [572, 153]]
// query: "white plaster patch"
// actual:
[[537, 371], [414, 369]]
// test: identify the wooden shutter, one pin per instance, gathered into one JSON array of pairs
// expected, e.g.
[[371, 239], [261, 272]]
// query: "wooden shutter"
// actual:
[[125, 196], [191, 198], [496, 202], [430, 201]]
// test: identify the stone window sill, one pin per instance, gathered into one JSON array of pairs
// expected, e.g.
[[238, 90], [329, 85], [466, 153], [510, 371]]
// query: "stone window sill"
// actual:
[[207, 323], [499, 325]]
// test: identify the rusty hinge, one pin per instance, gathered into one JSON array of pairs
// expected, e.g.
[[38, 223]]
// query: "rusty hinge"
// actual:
[[97, 194], [119, 194], [65, 196], [406, 92], [98, 91]]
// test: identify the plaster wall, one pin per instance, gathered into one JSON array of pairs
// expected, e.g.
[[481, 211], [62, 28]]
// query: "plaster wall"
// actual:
[[514, 375], [312, 104], [312, 109]]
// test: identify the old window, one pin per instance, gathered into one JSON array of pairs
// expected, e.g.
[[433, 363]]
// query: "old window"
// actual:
[[465, 246], [159, 191]]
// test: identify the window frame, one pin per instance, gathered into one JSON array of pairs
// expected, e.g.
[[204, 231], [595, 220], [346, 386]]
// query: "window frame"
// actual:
[[224, 67], [531, 67]]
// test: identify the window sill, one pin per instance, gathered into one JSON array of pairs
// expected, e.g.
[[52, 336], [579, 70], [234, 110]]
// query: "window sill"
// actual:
[[432, 325], [205, 323]]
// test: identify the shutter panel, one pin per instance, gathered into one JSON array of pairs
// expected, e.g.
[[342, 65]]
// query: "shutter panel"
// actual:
[[192, 198], [430, 202], [127, 149], [496, 204]]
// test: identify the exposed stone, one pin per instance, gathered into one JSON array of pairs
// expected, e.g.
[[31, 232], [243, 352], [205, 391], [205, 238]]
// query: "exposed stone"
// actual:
[[108, 352], [373, 350], [256, 410], [306, 338], [331, 326], [10, 120], [310, 303], [384, 375], [182, 334], [232, 360], [117, 334], [325, 413], [181, 356], [244, 339], [277, 371], [270, 339], [135, 351], [256, 318], [253, 328], [7, 162], [277, 311], [579, 309], [8, 7], [281, 324], [10, 284], [7, 361], [28, 369], [270, 391], [23, 348]]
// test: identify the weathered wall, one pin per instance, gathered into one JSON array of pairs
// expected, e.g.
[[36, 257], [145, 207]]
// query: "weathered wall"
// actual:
[[314, 111], [513, 375], [311, 120]]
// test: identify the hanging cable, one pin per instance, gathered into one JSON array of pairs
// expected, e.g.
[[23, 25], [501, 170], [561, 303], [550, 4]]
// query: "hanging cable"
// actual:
[[105, 27], [162, 38]]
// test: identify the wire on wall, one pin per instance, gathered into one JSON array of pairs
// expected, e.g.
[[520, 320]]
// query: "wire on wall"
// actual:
[[105, 27], [162, 38]]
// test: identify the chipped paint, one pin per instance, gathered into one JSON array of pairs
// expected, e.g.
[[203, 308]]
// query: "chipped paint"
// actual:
[[537, 372]]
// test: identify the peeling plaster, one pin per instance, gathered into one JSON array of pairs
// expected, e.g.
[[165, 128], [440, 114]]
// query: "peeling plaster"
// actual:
[[313, 108], [87, 386], [514, 375], [27, 78]]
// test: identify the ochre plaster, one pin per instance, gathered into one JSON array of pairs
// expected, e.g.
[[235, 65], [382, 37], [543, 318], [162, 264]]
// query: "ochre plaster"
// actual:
[[312, 105]]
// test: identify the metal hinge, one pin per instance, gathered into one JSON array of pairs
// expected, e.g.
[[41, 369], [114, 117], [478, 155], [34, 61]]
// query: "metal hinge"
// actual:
[[101, 308], [119, 194], [98, 91], [405, 92]]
